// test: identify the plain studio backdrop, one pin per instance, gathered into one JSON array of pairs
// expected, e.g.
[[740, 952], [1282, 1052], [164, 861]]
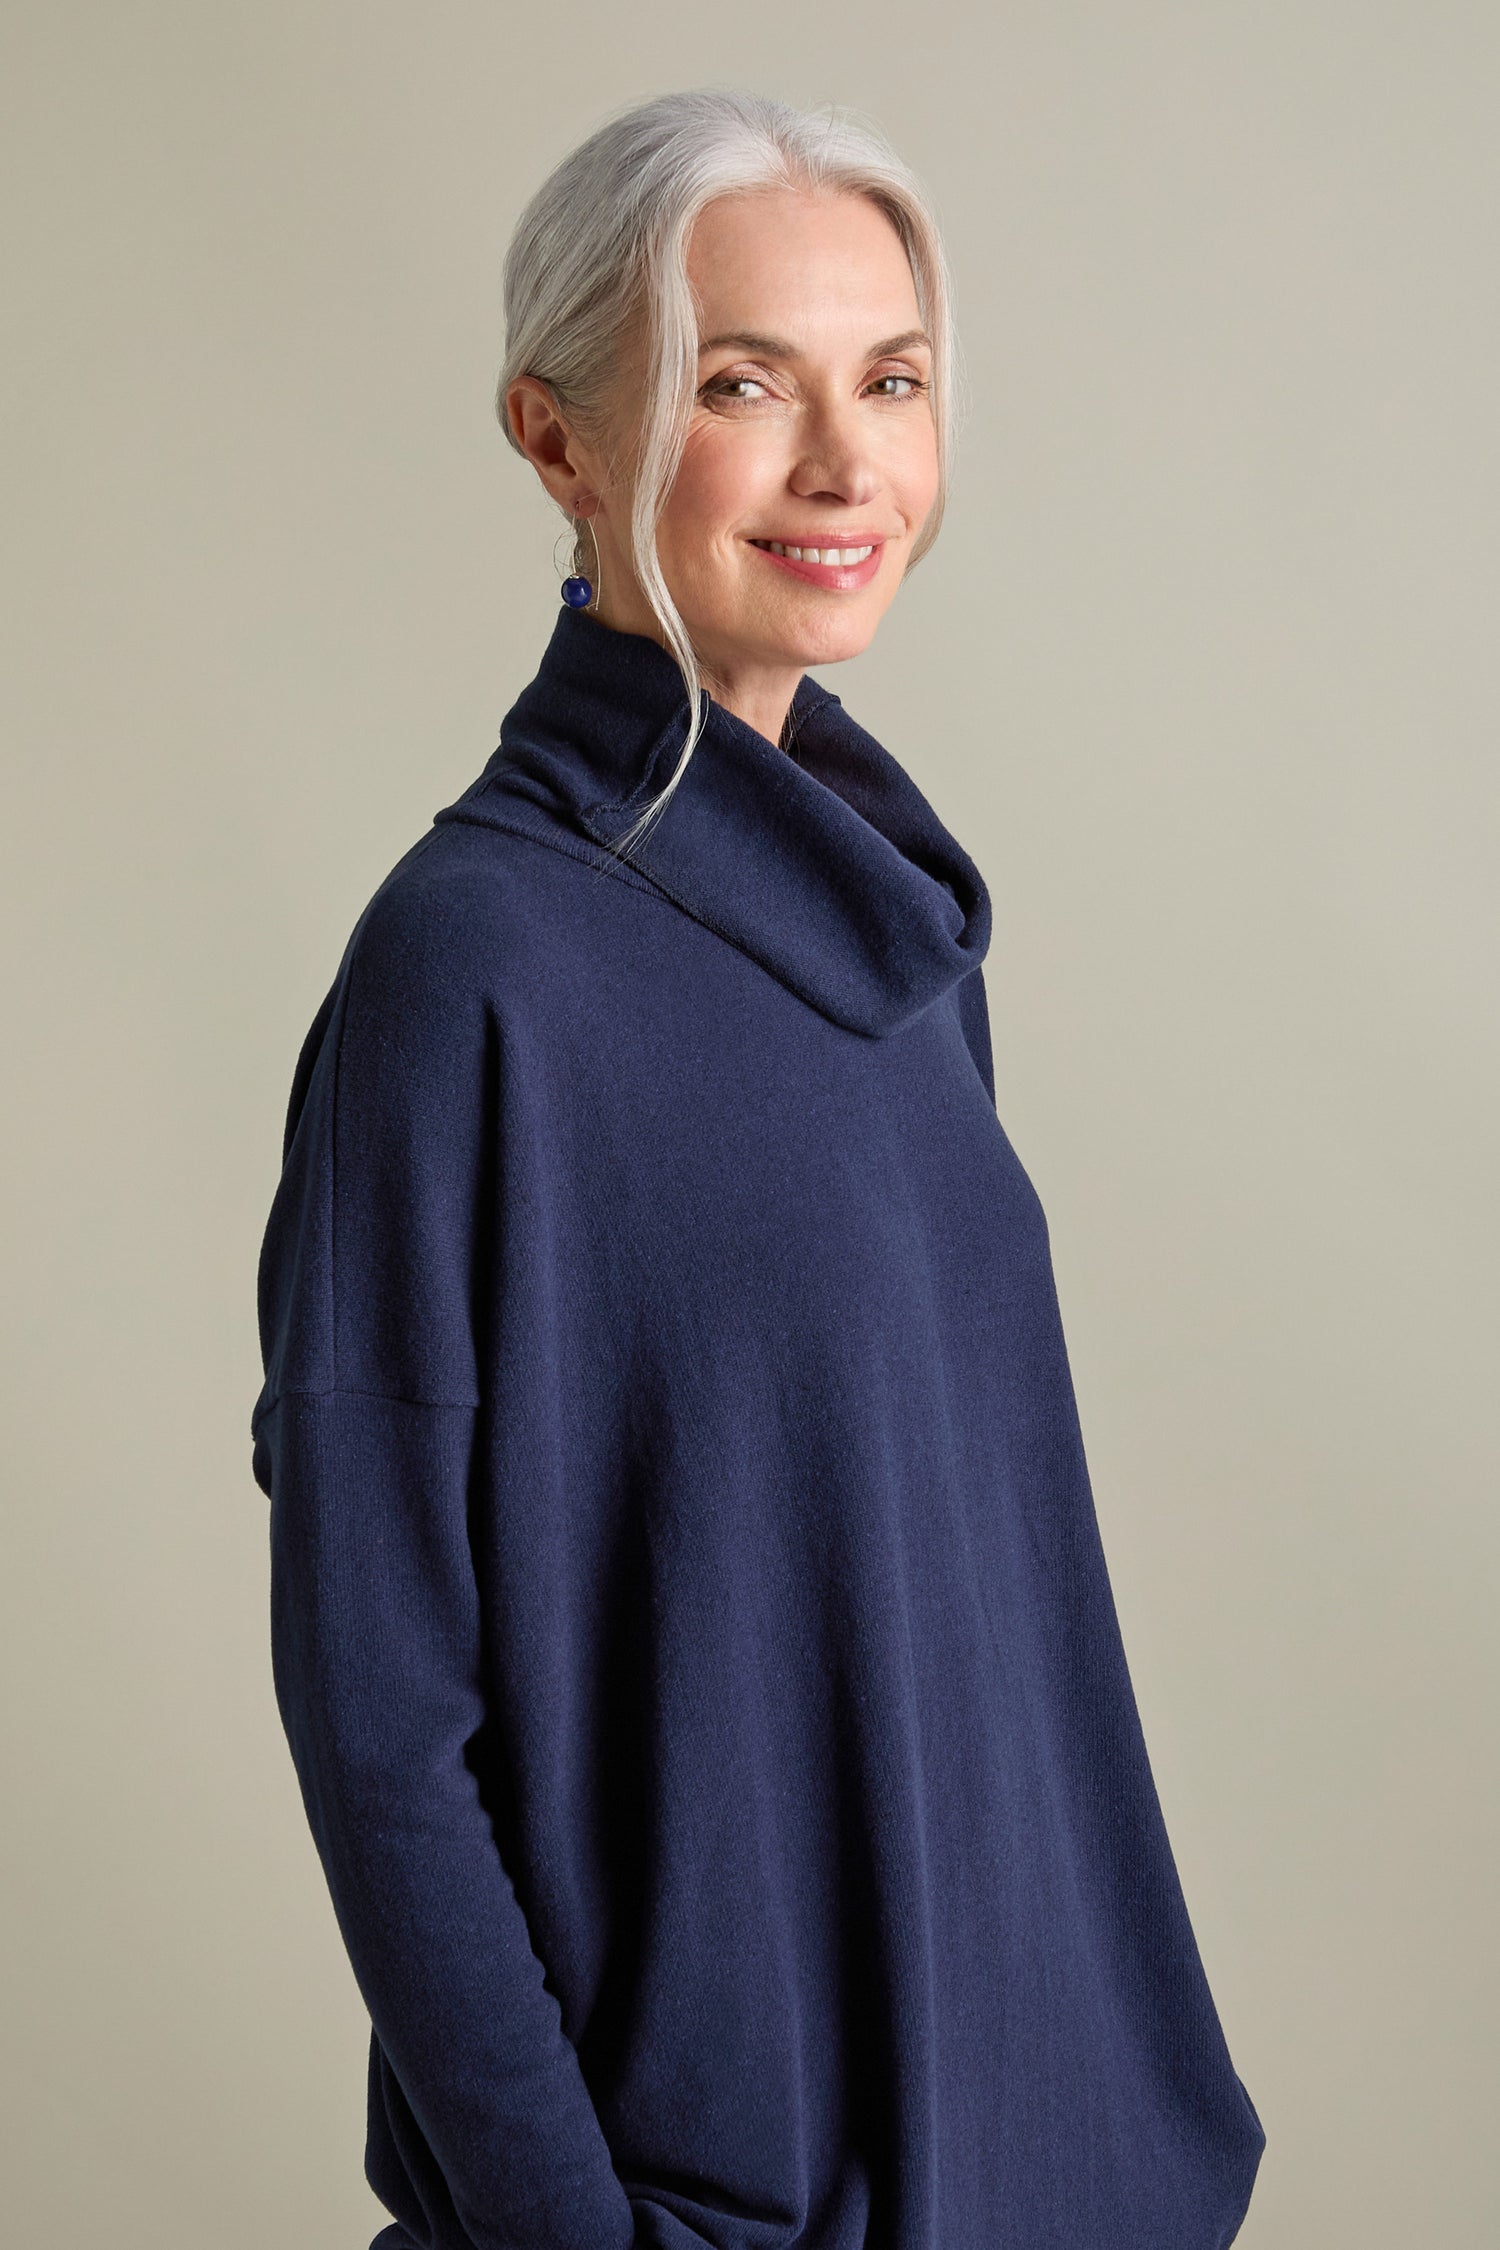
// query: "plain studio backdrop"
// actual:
[[1203, 671]]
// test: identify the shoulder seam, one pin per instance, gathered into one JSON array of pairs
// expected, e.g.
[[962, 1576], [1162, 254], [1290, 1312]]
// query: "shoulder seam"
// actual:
[[350, 1390]]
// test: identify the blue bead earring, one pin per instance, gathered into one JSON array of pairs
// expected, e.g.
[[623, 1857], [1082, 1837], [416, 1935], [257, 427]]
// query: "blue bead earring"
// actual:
[[579, 591]]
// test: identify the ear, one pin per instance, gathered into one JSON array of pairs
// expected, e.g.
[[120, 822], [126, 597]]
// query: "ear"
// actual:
[[558, 458]]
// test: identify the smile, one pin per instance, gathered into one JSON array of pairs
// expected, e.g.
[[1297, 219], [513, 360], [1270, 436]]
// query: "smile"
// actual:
[[840, 570], [843, 555]]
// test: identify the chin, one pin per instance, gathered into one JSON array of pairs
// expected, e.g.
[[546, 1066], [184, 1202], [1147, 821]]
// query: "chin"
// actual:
[[830, 639], [795, 636]]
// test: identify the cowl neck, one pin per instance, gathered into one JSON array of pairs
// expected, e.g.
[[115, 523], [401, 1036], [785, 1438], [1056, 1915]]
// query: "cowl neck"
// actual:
[[824, 862]]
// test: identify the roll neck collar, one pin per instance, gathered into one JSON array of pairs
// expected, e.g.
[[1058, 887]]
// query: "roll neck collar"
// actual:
[[825, 863]]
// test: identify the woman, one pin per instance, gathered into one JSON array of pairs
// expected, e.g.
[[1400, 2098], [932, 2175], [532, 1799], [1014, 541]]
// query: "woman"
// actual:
[[689, 1616]]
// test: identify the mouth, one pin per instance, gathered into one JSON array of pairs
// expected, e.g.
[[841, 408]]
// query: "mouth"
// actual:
[[843, 568]]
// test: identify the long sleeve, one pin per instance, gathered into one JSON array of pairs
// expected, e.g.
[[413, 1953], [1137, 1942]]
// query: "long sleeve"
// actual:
[[364, 1439]]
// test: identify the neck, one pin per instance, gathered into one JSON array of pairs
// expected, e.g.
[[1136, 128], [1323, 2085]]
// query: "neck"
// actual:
[[759, 695]]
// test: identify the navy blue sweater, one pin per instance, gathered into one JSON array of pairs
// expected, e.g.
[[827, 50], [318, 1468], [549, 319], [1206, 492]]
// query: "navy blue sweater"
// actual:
[[689, 1617]]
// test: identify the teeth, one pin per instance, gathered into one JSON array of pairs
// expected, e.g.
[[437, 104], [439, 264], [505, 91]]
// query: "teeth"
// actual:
[[842, 555]]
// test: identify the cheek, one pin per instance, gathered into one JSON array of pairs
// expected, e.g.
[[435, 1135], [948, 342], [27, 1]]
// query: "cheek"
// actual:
[[722, 477], [914, 470]]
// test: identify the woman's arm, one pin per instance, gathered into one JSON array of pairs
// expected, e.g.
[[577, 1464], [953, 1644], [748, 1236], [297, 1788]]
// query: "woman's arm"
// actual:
[[375, 1649], [364, 1436]]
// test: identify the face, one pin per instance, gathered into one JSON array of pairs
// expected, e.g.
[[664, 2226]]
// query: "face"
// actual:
[[812, 431]]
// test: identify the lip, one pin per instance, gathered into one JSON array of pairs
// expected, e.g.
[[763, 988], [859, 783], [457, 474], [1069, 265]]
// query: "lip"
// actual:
[[839, 577]]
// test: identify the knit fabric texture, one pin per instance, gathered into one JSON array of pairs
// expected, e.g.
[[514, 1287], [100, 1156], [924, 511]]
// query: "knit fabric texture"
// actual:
[[689, 1617]]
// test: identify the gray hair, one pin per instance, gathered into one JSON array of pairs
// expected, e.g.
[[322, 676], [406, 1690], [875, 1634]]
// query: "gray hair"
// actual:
[[606, 236]]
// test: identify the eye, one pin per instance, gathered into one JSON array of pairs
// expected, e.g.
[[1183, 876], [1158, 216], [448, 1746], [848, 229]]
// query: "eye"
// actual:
[[913, 385], [735, 386]]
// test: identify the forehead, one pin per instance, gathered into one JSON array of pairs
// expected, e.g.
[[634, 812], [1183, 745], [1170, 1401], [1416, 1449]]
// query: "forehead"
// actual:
[[817, 268]]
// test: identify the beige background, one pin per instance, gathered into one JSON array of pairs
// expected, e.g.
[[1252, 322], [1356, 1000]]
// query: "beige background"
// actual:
[[1203, 671]]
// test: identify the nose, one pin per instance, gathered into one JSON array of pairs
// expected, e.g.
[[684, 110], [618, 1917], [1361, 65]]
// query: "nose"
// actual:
[[833, 461]]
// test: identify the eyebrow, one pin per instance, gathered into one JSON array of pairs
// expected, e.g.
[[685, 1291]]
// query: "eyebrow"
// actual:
[[772, 347]]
